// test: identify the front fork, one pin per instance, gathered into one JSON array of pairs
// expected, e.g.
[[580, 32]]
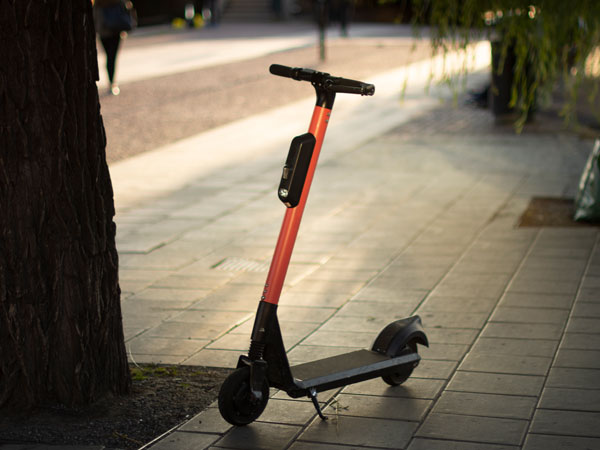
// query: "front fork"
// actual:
[[266, 316]]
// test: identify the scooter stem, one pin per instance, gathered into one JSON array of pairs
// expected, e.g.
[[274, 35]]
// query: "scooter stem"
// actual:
[[293, 216]]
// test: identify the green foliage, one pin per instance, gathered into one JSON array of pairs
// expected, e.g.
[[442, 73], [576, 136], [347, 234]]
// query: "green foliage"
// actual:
[[551, 39]]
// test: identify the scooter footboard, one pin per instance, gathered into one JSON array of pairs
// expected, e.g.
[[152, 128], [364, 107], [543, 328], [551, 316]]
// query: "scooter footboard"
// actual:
[[345, 369]]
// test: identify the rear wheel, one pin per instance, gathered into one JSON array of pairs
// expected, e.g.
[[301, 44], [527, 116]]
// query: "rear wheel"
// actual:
[[402, 373], [236, 403]]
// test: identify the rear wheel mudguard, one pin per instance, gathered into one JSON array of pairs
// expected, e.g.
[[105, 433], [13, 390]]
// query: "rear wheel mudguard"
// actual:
[[394, 337]]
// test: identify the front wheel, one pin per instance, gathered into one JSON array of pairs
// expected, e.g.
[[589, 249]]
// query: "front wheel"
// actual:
[[236, 403]]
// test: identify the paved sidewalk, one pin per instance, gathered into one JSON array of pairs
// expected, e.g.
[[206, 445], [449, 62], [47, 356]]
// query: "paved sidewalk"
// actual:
[[421, 219]]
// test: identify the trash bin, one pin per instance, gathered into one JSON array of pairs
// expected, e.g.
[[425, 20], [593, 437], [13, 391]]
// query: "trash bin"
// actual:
[[587, 203]]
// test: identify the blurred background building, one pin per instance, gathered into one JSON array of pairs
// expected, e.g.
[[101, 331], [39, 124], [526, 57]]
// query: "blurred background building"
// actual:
[[153, 12]]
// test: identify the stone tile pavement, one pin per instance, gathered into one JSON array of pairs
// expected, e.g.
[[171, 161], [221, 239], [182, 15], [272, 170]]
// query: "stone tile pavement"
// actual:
[[421, 219]]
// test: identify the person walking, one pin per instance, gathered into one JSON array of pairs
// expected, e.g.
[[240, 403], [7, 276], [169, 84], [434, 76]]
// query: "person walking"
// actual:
[[110, 39]]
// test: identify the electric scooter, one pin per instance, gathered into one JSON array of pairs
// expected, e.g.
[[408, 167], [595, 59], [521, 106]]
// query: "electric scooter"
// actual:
[[394, 355]]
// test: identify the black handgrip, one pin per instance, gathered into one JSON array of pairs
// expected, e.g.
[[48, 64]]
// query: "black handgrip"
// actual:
[[282, 71], [346, 86]]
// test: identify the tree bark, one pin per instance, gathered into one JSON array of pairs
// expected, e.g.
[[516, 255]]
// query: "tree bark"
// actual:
[[61, 333]]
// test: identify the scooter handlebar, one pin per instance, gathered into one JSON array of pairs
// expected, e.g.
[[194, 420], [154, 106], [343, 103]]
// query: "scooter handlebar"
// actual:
[[334, 84]]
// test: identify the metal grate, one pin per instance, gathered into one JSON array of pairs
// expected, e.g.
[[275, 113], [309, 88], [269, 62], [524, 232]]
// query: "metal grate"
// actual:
[[233, 264]]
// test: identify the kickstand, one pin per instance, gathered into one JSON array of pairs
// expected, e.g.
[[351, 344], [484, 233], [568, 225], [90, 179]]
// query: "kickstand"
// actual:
[[313, 396]]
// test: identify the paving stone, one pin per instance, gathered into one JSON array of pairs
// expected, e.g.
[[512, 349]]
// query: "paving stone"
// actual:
[[289, 412], [192, 282], [340, 339], [161, 346], [571, 399], [532, 300], [396, 408], [238, 342], [552, 262], [208, 317], [340, 274], [386, 311], [208, 421], [488, 405], [411, 388], [587, 359], [591, 282], [350, 323], [589, 310], [214, 358], [313, 299], [547, 286], [474, 429], [452, 319], [558, 252], [562, 377], [132, 286], [429, 368], [316, 446], [447, 352], [451, 335], [156, 260], [546, 442], [496, 363], [569, 273], [567, 238], [374, 293], [423, 262], [473, 286], [146, 320], [133, 242], [588, 295], [571, 423], [259, 436], [132, 307], [523, 330], [495, 383], [581, 341], [288, 313], [476, 264], [583, 325], [518, 347], [187, 330], [168, 294], [360, 432], [325, 286], [413, 279], [473, 305], [427, 250], [435, 444], [529, 315]]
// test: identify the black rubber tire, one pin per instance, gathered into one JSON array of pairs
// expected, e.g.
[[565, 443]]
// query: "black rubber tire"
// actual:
[[397, 378], [404, 373], [235, 401]]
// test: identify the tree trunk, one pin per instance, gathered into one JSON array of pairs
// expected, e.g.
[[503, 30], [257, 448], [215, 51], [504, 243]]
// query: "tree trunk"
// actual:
[[61, 333]]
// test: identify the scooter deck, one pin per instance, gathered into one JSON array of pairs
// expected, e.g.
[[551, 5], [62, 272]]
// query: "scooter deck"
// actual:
[[348, 368]]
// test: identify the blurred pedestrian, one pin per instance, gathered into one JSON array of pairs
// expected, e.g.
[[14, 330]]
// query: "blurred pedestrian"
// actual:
[[341, 11], [112, 18]]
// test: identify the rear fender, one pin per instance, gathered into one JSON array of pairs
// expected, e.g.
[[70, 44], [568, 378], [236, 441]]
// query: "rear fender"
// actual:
[[394, 337]]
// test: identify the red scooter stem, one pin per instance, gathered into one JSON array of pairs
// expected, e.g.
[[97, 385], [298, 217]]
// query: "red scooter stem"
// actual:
[[293, 216]]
